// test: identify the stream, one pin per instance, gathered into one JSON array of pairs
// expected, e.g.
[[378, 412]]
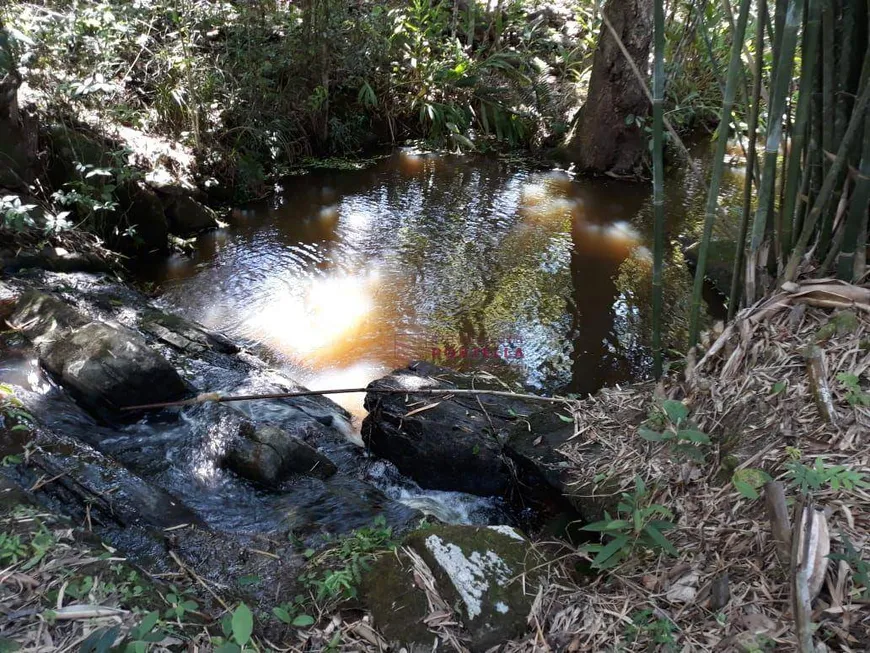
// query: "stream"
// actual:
[[470, 263]]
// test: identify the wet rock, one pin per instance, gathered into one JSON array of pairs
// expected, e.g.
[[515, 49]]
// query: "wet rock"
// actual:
[[106, 366], [52, 258], [139, 214], [183, 334], [83, 477], [487, 573], [268, 455], [455, 445], [187, 217], [542, 472]]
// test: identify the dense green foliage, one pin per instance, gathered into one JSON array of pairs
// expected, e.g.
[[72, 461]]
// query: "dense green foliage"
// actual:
[[254, 87]]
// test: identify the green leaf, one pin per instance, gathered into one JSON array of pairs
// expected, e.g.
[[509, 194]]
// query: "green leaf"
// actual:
[[660, 539], [648, 434], [607, 555], [253, 579], [243, 624], [693, 436], [565, 418], [675, 410], [303, 620], [8, 645], [598, 526], [147, 624], [778, 387], [746, 489], [282, 615], [229, 647]]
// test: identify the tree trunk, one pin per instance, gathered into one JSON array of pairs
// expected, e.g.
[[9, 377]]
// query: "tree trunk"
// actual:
[[17, 131], [602, 140]]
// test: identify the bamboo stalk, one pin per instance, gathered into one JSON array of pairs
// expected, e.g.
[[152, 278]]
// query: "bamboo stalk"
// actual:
[[773, 226], [855, 123], [658, 182], [744, 89], [774, 136], [777, 513], [799, 131], [857, 213], [828, 107], [712, 205], [802, 202], [740, 245]]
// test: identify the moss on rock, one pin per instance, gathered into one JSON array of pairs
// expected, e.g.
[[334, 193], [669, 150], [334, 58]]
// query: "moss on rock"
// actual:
[[490, 572]]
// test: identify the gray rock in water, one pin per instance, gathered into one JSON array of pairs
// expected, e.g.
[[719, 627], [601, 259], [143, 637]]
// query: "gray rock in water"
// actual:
[[489, 574], [455, 445], [268, 455], [106, 366]]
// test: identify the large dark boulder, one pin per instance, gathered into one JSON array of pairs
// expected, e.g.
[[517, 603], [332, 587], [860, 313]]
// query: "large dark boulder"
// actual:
[[187, 217], [105, 366], [138, 224], [543, 472], [442, 442], [269, 456]]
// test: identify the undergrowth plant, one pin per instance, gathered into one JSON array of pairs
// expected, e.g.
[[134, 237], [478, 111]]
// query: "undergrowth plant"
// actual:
[[855, 395], [860, 566], [638, 524], [671, 424], [336, 572], [821, 476]]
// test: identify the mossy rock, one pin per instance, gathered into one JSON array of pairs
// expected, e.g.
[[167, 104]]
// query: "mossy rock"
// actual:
[[489, 573], [397, 604]]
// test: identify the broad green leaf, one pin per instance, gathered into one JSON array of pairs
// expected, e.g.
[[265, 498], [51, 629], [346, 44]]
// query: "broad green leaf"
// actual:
[[778, 387], [147, 624], [648, 434], [229, 647], [693, 436], [282, 615], [660, 539], [675, 410], [746, 490], [565, 418], [243, 624], [303, 621], [608, 551]]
